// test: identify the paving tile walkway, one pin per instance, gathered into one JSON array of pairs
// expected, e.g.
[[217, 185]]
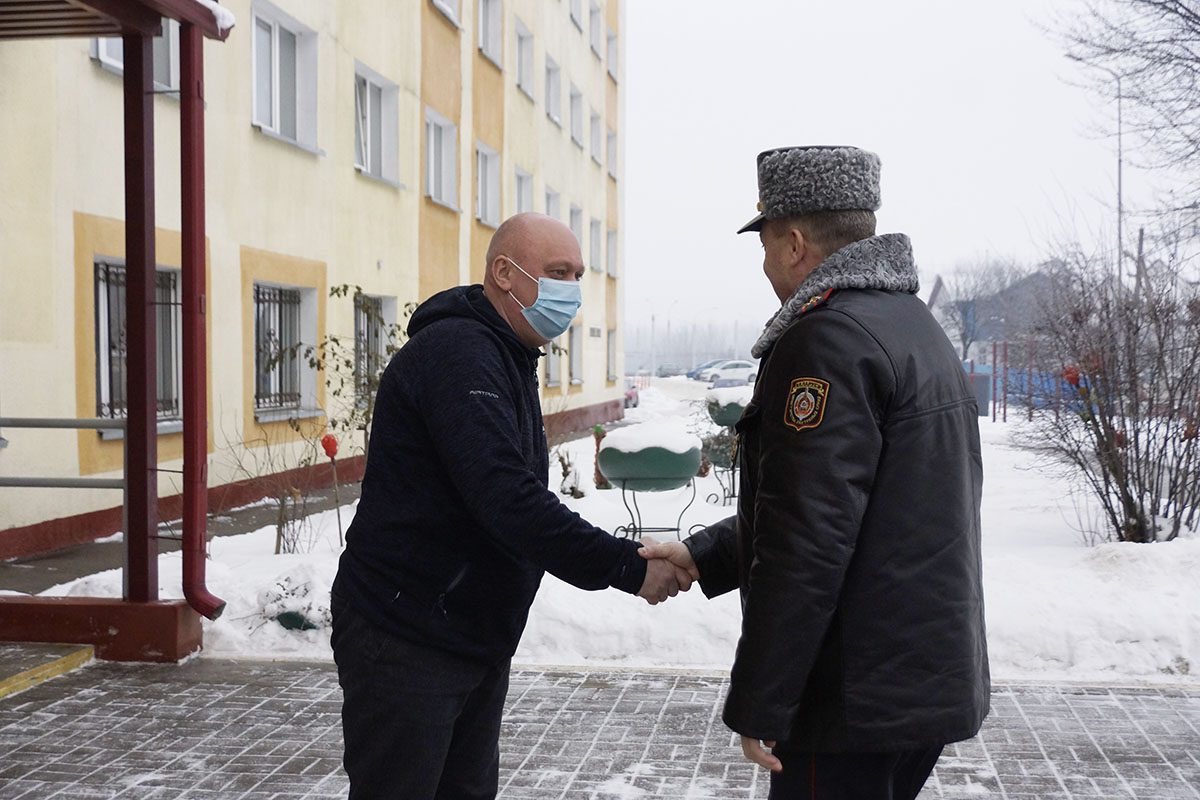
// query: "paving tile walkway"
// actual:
[[245, 730]]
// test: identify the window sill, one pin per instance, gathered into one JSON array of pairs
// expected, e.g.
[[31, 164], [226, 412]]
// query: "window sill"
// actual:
[[528, 93], [576, 382], [613, 176], [281, 414], [447, 13], [487, 223], [379, 179], [270, 134], [164, 427], [444, 204], [578, 142], [596, 159], [553, 385], [492, 59], [556, 120], [612, 76]]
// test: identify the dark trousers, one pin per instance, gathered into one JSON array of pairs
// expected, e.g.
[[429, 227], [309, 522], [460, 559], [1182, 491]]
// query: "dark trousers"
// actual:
[[852, 776], [418, 723]]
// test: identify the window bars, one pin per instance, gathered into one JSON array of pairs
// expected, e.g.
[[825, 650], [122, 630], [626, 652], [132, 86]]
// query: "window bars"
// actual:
[[276, 347]]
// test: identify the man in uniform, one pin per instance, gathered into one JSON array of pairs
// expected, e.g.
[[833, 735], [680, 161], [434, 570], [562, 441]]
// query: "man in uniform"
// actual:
[[456, 526], [856, 542]]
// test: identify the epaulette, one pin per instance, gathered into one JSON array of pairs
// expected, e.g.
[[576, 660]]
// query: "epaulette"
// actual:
[[815, 301]]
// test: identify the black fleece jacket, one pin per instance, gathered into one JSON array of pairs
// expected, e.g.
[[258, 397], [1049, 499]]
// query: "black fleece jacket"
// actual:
[[456, 524]]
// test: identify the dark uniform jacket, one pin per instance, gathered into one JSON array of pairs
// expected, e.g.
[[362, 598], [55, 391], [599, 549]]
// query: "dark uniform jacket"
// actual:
[[455, 525], [856, 544]]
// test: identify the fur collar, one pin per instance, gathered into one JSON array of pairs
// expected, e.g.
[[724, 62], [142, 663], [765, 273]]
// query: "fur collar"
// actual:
[[880, 262]]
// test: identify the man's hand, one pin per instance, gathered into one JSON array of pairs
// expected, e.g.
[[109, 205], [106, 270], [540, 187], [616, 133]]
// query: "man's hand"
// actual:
[[663, 578], [754, 751], [674, 552]]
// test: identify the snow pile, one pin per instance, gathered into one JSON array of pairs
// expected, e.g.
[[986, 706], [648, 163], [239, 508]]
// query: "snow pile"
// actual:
[[671, 435], [727, 395], [223, 16], [1056, 608]]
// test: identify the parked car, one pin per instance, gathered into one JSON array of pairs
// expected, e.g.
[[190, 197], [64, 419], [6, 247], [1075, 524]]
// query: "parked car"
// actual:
[[694, 372], [747, 371], [725, 383], [668, 370], [631, 393]]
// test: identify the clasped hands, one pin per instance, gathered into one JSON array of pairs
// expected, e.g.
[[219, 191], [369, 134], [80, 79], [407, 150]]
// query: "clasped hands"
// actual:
[[669, 570]]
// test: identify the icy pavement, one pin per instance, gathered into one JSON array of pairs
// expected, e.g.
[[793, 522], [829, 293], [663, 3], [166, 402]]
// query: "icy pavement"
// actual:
[[246, 730]]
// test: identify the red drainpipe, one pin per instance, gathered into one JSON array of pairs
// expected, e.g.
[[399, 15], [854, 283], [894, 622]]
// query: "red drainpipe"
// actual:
[[195, 388]]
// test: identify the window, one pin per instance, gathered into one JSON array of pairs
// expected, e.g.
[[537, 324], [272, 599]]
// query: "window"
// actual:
[[597, 137], [596, 28], [285, 76], [612, 153], [487, 184], [594, 245], [553, 203], [110, 52], [524, 185], [524, 59], [441, 157], [554, 363], [576, 223], [370, 345], [277, 344], [375, 119], [490, 31], [612, 54], [111, 341], [449, 8], [553, 91], [577, 13], [611, 361], [611, 252], [576, 115], [575, 354]]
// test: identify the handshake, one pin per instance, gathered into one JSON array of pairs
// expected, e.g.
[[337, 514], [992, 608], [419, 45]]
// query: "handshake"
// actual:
[[669, 570]]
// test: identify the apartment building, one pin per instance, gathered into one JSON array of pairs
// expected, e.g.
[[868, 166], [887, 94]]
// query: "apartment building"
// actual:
[[360, 153]]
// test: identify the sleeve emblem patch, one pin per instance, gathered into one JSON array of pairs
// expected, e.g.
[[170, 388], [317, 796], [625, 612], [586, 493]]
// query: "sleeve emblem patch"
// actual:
[[806, 403]]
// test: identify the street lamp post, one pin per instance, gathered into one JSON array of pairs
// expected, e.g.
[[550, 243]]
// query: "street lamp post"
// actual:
[[1120, 161]]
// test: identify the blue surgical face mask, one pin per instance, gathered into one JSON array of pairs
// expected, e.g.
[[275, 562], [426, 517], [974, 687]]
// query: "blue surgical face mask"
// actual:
[[556, 305]]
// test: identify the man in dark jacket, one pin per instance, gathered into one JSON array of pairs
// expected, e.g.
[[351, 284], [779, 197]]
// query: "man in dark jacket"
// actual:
[[856, 542], [456, 525]]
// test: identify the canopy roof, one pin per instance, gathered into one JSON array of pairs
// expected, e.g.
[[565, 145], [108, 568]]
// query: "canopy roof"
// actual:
[[27, 19]]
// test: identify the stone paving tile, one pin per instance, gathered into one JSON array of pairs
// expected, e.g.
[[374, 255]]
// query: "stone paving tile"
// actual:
[[236, 730]]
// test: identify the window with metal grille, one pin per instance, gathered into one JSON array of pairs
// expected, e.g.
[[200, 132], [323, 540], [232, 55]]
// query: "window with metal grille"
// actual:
[[370, 340], [111, 341], [276, 347]]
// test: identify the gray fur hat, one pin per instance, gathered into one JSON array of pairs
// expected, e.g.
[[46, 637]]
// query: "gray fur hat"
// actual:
[[800, 180]]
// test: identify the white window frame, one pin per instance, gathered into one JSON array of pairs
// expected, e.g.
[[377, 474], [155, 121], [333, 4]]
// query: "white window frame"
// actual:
[[441, 159], [577, 14], [491, 31], [110, 52], [449, 9], [576, 116], [610, 253], [575, 355], [524, 50], [376, 159], [276, 20], [594, 245], [597, 126], [612, 54], [371, 341], [553, 203], [611, 360], [596, 28], [523, 191], [554, 363], [553, 91], [575, 223], [487, 185], [612, 152], [306, 406]]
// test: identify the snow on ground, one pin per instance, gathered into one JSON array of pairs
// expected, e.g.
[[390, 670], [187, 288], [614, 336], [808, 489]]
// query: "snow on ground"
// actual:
[[1057, 609]]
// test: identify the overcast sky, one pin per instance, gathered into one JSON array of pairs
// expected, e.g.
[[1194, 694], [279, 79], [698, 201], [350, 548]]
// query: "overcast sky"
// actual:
[[988, 148]]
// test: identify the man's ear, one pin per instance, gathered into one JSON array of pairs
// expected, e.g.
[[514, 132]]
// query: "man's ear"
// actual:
[[501, 273], [798, 246]]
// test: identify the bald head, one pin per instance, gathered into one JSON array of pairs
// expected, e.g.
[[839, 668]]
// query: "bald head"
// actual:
[[542, 247]]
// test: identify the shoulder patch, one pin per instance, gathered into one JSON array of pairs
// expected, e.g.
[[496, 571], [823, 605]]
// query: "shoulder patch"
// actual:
[[805, 406], [815, 301]]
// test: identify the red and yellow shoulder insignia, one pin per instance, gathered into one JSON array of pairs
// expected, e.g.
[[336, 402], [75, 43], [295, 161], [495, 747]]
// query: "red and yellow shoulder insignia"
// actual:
[[815, 301], [806, 403]]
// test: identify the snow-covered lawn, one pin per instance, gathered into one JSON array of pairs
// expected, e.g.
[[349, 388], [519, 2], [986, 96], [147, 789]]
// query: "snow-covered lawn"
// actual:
[[1057, 609]]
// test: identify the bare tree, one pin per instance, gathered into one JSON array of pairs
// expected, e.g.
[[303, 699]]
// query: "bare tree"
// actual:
[[975, 305], [1153, 48], [1118, 388]]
